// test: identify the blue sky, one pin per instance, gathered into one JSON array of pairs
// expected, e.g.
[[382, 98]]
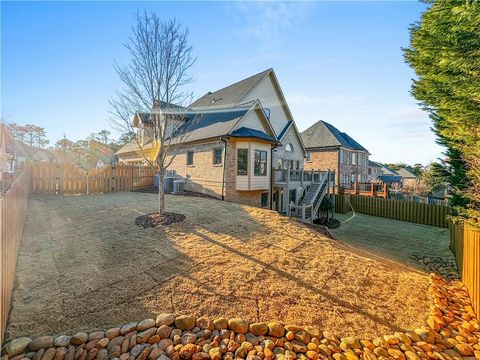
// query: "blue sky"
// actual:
[[336, 61]]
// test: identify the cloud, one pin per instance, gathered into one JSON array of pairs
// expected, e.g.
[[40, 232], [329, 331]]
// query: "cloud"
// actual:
[[266, 20]]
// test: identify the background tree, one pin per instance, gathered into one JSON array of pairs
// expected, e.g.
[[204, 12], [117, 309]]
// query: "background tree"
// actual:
[[104, 136], [444, 52], [154, 83]]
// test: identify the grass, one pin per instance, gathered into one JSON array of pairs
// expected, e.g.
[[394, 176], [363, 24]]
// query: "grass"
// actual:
[[84, 265]]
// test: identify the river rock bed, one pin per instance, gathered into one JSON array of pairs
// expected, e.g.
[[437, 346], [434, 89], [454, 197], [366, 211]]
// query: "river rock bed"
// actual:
[[453, 332]]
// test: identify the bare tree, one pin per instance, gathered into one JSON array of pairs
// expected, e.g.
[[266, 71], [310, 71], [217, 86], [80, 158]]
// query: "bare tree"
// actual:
[[154, 92]]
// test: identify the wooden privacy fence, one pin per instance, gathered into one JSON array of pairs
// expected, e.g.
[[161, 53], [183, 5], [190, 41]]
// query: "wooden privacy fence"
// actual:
[[465, 245], [57, 179], [426, 214], [13, 211]]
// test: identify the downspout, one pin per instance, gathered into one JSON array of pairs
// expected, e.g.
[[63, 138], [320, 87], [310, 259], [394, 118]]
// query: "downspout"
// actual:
[[272, 175], [224, 165]]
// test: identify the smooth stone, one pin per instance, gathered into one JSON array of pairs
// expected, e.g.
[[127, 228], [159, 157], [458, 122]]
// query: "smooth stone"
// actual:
[[42, 342], [62, 340], [145, 324], [165, 319], [184, 322], [17, 346]]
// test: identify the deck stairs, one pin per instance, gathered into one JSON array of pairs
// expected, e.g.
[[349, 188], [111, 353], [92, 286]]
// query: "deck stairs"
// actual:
[[309, 201]]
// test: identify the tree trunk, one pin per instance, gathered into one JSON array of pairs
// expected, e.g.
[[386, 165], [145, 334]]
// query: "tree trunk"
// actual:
[[161, 192]]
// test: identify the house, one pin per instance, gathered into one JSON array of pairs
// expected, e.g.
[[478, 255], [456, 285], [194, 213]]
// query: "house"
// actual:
[[239, 143], [374, 171], [7, 163], [329, 148], [408, 178]]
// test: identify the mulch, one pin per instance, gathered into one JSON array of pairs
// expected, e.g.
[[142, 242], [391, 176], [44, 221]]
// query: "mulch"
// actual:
[[322, 230], [154, 219], [153, 190]]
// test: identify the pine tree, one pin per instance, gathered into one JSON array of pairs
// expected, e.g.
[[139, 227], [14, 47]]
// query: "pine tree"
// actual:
[[445, 54]]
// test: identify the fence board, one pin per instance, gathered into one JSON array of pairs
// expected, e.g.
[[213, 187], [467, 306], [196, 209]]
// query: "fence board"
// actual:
[[419, 213], [52, 179], [13, 211], [465, 245]]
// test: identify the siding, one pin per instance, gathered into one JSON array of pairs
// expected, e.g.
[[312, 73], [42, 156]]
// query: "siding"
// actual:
[[250, 181], [265, 92], [252, 121], [297, 154]]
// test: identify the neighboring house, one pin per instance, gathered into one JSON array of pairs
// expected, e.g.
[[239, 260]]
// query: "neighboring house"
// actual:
[[235, 141], [408, 179], [329, 148], [390, 177], [374, 171], [7, 164]]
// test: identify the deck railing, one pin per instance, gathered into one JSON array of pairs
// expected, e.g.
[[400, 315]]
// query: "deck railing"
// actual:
[[364, 189], [305, 177], [13, 211]]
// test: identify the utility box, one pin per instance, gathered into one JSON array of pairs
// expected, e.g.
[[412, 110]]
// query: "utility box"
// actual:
[[167, 183], [178, 186]]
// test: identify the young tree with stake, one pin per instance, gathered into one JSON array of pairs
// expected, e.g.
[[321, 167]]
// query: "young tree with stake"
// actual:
[[154, 89]]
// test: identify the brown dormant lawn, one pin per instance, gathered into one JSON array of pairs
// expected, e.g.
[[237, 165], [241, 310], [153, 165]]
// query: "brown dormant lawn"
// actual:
[[84, 265]]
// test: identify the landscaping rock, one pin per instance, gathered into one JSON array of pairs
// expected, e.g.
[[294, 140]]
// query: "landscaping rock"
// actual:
[[258, 328], [49, 354], [164, 331], [184, 322], [238, 325], [205, 323], [128, 327], [42, 342], [79, 338], [62, 340], [112, 333], [145, 324], [165, 319], [17, 346], [275, 329], [220, 323], [96, 335]]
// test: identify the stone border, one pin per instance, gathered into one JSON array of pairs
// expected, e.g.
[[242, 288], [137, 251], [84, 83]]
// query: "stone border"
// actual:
[[453, 333]]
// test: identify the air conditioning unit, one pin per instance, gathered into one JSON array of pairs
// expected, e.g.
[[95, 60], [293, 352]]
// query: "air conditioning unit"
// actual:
[[168, 184], [178, 186]]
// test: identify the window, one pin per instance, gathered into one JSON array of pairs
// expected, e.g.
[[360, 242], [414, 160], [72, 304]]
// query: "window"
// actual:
[[354, 177], [297, 165], [267, 112], [289, 147], [354, 158], [369, 171], [242, 162], [308, 157], [292, 196], [217, 156], [190, 157], [260, 164], [264, 200]]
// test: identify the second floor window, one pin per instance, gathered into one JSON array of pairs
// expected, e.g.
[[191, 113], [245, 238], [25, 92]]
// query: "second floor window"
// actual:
[[260, 165], [242, 161], [217, 156], [189, 157], [308, 157], [354, 158]]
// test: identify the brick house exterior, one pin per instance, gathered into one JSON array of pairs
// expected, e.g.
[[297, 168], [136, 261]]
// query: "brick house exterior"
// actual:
[[330, 149], [250, 123]]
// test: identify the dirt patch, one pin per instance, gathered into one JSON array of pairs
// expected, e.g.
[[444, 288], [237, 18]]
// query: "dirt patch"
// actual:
[[321, 229], [82, 266], [445, 267], [155, 219]]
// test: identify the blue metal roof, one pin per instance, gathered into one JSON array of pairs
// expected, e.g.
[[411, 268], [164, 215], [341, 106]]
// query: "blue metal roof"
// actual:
[[244, 132]]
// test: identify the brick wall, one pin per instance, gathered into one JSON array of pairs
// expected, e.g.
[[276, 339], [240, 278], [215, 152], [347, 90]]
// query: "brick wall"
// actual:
[[323, 160], [203, 176]]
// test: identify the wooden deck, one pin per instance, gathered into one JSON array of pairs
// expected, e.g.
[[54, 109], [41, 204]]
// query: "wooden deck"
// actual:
[[364, 189]]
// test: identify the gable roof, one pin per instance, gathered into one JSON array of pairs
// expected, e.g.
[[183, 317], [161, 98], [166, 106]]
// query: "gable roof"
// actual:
[[374, 164], [406, 174], [230, 95], [387, 171], [322, 134], [213, 123]]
